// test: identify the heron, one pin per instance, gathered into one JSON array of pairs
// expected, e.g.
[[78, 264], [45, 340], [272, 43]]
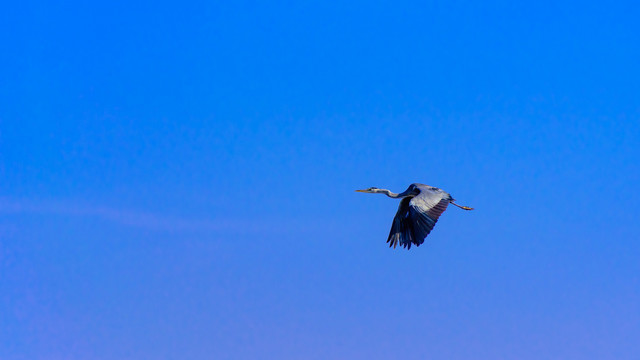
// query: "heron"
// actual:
[[419, 210]]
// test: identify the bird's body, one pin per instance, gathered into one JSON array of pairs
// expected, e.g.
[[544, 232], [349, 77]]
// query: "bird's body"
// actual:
[[418, 212]]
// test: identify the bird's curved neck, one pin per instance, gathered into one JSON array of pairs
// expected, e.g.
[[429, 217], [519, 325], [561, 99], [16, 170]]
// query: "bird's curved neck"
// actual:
[[388, 193]]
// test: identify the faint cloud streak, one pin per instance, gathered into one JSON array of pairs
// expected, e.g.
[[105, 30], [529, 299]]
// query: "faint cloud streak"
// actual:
[[136, 219]]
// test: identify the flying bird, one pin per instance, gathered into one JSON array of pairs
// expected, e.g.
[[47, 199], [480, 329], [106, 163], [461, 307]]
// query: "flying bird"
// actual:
[[419, 210]]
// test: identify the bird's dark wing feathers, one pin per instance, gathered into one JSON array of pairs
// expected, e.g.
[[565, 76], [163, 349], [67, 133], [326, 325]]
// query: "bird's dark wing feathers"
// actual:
[[401, 229], [416, 217]]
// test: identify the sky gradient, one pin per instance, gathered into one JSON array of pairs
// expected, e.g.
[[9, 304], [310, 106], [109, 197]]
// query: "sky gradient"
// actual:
[[177, 180]]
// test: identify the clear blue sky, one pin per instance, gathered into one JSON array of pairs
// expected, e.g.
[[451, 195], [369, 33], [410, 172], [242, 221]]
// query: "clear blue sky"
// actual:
[[177, 180]]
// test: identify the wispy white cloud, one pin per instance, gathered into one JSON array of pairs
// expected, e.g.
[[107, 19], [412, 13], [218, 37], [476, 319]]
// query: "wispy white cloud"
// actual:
[[137, 219]]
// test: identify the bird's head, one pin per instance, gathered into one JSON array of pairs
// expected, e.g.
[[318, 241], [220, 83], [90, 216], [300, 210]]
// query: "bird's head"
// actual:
[[371, 190]]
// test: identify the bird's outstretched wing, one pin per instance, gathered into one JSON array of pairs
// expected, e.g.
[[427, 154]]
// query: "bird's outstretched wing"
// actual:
[[417, 216], [401, 229]]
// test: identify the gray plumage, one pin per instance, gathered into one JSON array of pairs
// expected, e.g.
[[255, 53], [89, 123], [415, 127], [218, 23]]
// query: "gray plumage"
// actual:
[[418, 213]]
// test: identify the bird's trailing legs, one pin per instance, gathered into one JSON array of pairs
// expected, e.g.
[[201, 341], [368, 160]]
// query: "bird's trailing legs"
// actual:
[[460, 206]]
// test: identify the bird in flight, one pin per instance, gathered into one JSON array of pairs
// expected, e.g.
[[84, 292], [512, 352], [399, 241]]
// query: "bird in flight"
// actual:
[[419, 210]]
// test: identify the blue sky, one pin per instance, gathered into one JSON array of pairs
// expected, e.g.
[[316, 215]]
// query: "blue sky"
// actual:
[[177, 180]]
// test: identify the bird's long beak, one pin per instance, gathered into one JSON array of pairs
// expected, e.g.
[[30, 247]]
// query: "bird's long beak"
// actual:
[[364, 191]]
